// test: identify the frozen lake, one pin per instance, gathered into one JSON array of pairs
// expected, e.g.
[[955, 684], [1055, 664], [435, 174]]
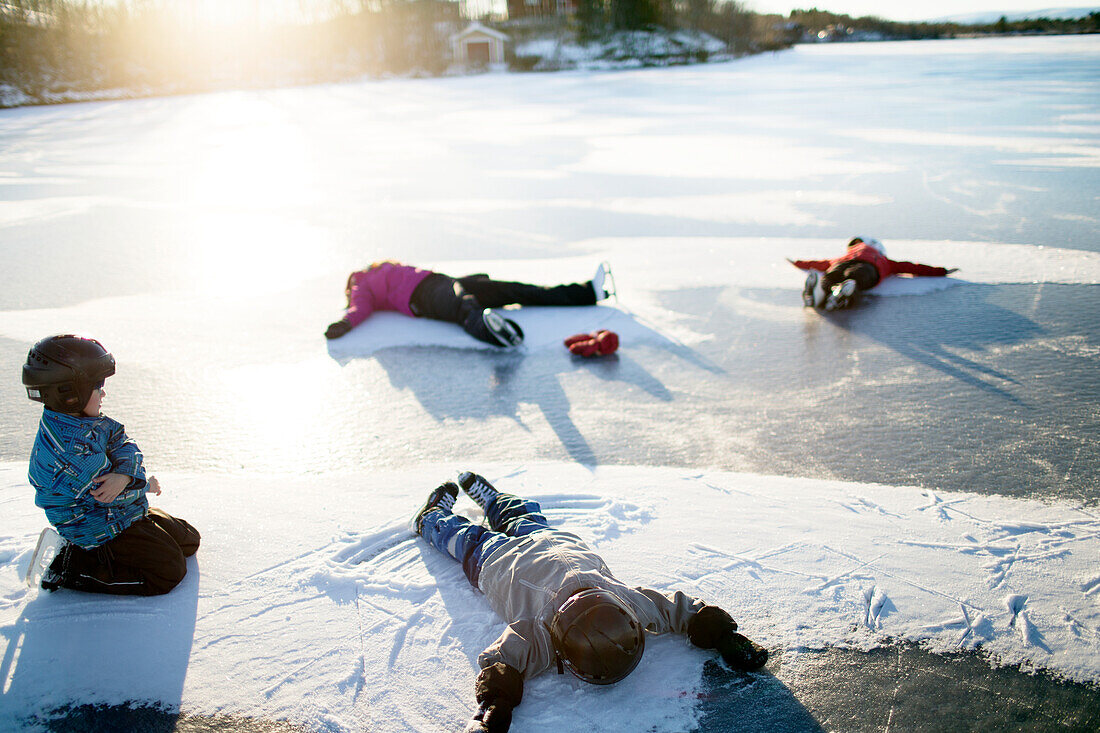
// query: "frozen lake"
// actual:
[[206, 241]]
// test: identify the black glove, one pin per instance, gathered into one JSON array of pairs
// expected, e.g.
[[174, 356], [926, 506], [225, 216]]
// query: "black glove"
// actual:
[[741, 652], [709, 625], [492, 719], [713, 628], [338, 329], [499, 689]]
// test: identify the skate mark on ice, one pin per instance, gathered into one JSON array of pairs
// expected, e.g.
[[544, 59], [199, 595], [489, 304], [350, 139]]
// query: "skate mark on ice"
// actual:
[[278, 565], [715, 561], [293, 675], [1023, 527], [999, 569], [1091, 586], [400, 636], [361, 548], [1022, 623], [974, 547], [355, 680], [1004, 556], [875, 605], [1079, 628], [860, 505], [720, 489], [974, 629], [603, 518], [287, 604], [850, 573], [939, 507], [587, 502]]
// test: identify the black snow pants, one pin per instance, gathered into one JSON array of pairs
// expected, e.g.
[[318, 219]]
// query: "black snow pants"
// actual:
[[864, 273], [147, 559], [462, 300]]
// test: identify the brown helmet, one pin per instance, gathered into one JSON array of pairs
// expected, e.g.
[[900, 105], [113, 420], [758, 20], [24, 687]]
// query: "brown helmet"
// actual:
[[62, 370], [597, 637]]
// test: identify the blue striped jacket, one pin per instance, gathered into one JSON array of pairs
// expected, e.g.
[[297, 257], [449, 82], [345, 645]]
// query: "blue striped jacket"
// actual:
[[68, 453]]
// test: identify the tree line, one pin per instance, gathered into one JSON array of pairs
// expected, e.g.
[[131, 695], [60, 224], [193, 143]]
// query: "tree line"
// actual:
[[59, 50], [814, 21]]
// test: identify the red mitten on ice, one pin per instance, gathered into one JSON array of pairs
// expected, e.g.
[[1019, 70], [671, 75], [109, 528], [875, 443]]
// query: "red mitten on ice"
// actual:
[[599, 343], [607, 342]]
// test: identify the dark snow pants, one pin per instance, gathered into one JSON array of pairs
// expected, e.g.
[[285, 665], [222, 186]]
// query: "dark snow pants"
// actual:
[[864, 273], [462, 300], [147, 559], [471, 544]]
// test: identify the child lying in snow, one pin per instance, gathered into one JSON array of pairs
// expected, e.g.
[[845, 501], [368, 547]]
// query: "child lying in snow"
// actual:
[[88, 476], [563, 606], [861, 268], [467, 301]]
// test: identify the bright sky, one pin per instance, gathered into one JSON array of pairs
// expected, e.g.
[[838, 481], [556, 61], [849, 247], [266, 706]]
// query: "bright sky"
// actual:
[[906, 9]]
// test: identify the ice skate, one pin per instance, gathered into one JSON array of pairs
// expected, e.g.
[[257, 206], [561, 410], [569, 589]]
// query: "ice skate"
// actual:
[[813, 292], [506, 331], [49, 546], [442, 497], [478, 488], [603, 282], [841, 296]]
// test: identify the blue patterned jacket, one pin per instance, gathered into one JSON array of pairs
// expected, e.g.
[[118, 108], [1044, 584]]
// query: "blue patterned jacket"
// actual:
[[68, 453]]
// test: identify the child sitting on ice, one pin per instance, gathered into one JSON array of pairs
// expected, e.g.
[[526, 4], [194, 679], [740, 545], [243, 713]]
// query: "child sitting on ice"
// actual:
[[467, 301], [88, 476], [861, 268], [564, 607]]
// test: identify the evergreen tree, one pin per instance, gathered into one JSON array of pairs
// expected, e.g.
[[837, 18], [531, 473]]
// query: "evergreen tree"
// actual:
[[590, 19], [633, 15]]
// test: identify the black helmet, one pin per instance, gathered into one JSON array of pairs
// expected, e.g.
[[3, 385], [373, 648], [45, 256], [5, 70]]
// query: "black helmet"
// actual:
[[597, 636], [61, 371]]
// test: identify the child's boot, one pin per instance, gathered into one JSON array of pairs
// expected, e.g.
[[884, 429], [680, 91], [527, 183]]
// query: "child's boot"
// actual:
[[478, 488], [813, 292], [442, 498], [47, 554], [842, 295], [603, 284], [505, 331]]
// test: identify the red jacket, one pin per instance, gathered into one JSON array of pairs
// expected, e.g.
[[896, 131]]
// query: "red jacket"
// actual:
[[867, 253], [386, 286]]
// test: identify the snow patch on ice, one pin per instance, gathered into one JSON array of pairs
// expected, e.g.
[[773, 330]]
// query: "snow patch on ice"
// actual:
[[310, 599], [644, 270]]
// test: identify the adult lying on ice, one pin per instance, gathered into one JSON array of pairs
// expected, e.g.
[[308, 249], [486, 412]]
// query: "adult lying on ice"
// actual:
[[562, 605], [468, 301], [839, 282]]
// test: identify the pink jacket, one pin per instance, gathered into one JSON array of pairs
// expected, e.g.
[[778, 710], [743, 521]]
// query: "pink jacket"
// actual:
[[384, 286], [867, 253]]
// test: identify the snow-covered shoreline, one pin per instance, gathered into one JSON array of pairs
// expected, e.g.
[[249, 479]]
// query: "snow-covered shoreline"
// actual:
[[311, 601]]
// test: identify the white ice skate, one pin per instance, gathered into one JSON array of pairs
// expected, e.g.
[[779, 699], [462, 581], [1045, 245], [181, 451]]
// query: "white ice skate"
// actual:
[[841, 297], [49, 544], [603, 283], [813, 292]]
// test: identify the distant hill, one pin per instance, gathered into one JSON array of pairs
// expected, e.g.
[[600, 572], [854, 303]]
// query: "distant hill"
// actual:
[[993, 16]]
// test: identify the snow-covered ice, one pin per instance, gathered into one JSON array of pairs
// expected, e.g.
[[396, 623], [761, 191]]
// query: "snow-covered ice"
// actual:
[[739, 447], [346, 621]]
